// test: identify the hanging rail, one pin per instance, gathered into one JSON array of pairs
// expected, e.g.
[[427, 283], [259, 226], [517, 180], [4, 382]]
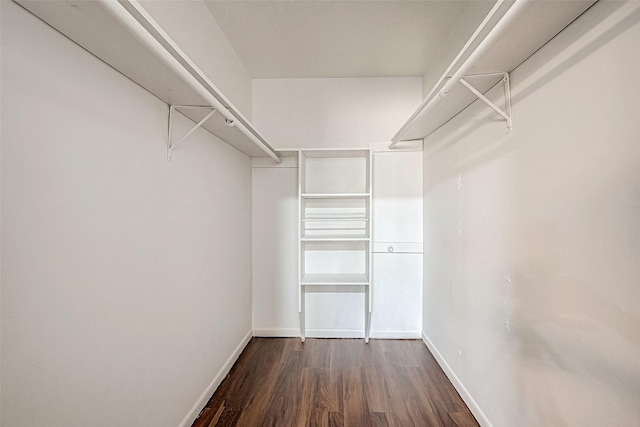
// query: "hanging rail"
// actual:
[[436, 95], [141, 25]]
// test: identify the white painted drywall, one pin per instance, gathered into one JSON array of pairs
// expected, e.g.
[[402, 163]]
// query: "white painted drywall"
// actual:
[[126, 279], [532, 239], [275, 256], [191, 25], [328, 113], [0, 221]]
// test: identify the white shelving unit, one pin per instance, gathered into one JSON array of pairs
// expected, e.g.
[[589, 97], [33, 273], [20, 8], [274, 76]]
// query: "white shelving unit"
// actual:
[[334, 228], [125, 36], [509, 34]]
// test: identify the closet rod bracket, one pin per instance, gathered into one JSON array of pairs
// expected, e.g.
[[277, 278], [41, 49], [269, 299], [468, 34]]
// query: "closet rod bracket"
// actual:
[[171, 143], [506, 113]]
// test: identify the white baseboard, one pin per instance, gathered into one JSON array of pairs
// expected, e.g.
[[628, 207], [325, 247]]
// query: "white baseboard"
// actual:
[[276, 332], [462, 390], [335, 333], [396, 335], [213, 385]]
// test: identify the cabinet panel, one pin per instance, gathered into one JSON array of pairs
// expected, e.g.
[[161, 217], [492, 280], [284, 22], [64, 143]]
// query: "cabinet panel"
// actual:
[[397, 205], [397, 296], [397, 245]]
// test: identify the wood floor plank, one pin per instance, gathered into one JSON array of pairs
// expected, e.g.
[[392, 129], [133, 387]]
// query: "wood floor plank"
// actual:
[[255, 402], [228, 418], [216, 417], [317, 354], [463, 419], [204, 418], [406, 401], [317, 418], [404, 355], [284, 406], [377, 419], [335, 383], [376, 389], [392, 420], [429, 398], [336, 419], [355, 402], [322, 391]]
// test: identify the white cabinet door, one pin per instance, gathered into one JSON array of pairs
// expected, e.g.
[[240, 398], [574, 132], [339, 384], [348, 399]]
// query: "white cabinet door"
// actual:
[[397, 295], [397, 245], [397, 196]]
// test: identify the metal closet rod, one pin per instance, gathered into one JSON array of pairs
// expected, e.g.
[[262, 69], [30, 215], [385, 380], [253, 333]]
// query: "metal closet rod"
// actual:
[[431, 100], [141, 26]]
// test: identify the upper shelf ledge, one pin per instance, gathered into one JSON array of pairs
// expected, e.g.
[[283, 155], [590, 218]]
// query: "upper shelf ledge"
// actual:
[[510, 33], [125, 36]]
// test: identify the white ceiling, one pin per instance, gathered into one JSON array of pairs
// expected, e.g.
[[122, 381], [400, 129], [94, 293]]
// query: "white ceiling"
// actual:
[[357, 38]]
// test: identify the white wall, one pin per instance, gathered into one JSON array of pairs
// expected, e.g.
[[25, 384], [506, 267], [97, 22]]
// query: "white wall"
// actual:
[[275, 256], [1, 217], [348, 112], [315, 113], [194, 29], [532, 239], [126, 279]]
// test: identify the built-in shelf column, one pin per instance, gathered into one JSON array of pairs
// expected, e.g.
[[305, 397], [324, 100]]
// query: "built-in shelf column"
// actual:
[[334, 195]]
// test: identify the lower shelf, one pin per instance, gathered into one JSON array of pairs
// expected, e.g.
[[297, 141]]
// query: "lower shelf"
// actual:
[[334, 279]]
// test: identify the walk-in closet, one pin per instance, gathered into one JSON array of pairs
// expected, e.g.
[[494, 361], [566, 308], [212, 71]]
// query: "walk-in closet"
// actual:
[[319, 213]]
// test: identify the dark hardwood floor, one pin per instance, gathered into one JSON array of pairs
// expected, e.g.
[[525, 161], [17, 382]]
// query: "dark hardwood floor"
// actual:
[[335, 382]]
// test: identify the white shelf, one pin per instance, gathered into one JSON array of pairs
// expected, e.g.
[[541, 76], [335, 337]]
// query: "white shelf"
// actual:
[[334, 218], [334, 279], [122, 35], [538, 23], [335, 195], [335, 239]]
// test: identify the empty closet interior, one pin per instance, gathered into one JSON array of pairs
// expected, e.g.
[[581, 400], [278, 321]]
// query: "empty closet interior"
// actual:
[[178, 177]]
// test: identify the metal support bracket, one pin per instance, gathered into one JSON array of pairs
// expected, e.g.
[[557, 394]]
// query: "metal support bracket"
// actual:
[[507, 96], [171, 144]]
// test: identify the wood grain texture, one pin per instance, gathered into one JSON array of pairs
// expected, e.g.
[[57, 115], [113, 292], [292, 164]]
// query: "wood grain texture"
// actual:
[[335, 383]]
